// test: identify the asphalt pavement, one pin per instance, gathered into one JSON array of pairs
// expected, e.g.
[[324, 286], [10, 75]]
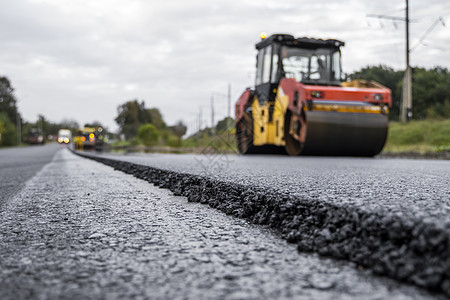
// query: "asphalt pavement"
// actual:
[[17, 165], [78, 229], [389, 215]]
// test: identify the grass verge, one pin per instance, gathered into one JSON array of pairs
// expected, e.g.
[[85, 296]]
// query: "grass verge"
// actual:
[[424, 136]]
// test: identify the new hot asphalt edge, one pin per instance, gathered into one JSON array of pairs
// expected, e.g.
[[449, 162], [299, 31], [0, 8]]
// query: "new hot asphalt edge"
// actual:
[[412, 250]]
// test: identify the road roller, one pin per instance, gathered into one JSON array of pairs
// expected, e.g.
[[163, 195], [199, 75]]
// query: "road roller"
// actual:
[[301, 104]]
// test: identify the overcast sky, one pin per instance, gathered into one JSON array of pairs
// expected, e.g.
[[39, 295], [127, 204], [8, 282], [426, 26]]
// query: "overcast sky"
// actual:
[[81, 59]]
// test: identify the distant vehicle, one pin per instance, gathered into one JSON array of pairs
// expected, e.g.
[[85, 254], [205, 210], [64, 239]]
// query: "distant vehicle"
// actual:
[[35, 137], [64, 136], [90, 138]]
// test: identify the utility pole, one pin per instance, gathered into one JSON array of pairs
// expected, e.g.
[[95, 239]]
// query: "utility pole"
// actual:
[[212, 113], [229, 100], [228, 96], [19, 129], [406, 115], [406, 105], [200, 119]]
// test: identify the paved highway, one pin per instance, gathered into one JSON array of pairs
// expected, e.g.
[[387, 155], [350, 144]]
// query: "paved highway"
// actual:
[[79, 229], [390, 215]]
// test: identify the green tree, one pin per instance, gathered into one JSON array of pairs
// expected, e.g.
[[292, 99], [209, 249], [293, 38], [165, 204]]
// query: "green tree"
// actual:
[[8, 112], [430, 89], [225, 124], [431, 92], [94, 124], [69, 124], [131, 115], [179, 130], [8, 134], [8, 102], [44, 125], [156, 118], [148, 134]]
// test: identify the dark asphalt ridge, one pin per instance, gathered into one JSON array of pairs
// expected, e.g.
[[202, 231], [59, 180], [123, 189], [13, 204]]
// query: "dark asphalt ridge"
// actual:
[[414, 249]]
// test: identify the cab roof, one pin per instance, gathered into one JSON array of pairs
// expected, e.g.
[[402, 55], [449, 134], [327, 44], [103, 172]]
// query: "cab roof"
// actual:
[[303, 42]]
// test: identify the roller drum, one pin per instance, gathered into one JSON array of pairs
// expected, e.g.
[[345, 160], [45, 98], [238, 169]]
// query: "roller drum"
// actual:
[[350, 134]]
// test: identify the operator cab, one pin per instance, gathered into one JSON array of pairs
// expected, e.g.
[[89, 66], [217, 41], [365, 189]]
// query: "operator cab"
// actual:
[[309, 61]]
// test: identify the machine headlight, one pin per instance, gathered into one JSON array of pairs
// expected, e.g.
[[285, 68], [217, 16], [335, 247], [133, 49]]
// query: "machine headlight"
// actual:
[[376, 97], [317, 94]]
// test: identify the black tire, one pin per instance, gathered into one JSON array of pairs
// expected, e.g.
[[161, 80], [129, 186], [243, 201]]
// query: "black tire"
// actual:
[[244, 134], [293, 146]]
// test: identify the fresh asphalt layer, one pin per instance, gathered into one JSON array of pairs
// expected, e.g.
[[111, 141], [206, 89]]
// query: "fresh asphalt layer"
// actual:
[[78, 229], [390, 215]]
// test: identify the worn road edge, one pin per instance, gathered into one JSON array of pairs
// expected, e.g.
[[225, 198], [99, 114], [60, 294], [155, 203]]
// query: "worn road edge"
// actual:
[[409, 250]]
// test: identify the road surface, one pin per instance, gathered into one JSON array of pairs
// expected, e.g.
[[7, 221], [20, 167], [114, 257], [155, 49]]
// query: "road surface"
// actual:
[[79, 229], [390, 215], [17, 165]]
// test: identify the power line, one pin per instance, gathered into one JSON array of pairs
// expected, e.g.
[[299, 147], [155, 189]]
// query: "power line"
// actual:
[[386, 17], [424, 35]]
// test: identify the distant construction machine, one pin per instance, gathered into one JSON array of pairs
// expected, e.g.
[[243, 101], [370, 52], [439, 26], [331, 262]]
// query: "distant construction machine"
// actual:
[[89, 138], [301, 105]]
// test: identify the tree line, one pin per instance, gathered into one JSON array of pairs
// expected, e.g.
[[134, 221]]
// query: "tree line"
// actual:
[[142, 125], [8, 113], [12, 124], [430, 92], [137, 123]]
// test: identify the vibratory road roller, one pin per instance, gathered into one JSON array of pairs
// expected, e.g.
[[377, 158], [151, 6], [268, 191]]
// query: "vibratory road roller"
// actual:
[[301, 105]]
